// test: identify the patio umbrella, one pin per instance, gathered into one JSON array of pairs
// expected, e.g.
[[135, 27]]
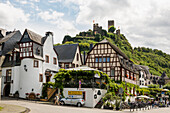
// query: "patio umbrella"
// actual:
[[143, 96]]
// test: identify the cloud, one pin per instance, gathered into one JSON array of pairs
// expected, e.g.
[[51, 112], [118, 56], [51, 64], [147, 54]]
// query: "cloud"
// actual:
[[11, 15], [144, 23], [50, 15], [55, 18], [22, 1], [54, 1]]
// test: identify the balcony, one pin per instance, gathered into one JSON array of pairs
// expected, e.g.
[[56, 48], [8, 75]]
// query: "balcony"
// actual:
[[130, 81], [7, 79]]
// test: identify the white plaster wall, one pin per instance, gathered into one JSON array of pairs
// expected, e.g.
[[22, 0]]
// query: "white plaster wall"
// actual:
[[29, 79], [16, 79], [48, 50], [75, 58], [142, 79], [89, 97]]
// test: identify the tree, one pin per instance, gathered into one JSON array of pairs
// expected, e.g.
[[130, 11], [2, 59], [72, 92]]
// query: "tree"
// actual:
[[66, 38], [97, 37], [112, 29]]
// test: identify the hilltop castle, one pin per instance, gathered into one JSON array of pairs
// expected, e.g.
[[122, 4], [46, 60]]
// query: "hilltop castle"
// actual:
[[98, 29]]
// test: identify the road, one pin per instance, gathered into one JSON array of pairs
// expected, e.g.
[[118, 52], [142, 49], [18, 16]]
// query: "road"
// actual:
[[46, 108]]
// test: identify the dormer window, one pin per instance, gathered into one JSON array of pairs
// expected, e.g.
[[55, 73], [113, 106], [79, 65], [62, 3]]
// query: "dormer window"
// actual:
[[26, 49], [38, 51], [25, 36], [10, 58]]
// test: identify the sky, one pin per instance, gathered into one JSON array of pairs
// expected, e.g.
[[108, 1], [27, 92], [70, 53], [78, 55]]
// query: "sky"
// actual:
[[143, 22]]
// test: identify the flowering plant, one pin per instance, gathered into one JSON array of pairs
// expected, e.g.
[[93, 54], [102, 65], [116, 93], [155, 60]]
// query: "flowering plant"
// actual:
[[97, 82], [104, 83]]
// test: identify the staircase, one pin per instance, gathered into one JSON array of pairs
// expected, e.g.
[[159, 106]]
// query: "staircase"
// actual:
[[50, 93]]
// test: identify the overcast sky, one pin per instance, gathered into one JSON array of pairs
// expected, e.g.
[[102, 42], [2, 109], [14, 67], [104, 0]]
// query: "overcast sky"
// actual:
[[143, 22]]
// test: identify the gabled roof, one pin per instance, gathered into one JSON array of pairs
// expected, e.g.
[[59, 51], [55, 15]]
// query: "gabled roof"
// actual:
[[114, 47], [66, 53], [34, 36], [10, 41]]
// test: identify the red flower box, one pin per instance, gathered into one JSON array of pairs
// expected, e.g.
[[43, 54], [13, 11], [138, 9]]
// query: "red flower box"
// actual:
[[26, 93], [38, 94]]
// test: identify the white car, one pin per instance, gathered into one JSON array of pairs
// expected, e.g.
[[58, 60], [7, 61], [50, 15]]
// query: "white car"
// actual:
[[72, 101]]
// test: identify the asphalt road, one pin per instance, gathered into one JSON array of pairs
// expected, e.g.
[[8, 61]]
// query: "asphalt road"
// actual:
[[37, 107]]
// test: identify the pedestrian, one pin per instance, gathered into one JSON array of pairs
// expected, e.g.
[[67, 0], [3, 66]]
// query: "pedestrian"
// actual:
[[60, 97], [56, 99], [167, 103]]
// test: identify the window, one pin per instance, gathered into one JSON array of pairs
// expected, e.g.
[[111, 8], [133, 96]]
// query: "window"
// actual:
[[41, 77], [26, 49], [10, 58], [14, 56], [77, 57], [100, 59], [60, 65], [8, 75], [108, 59], [104, 59], [77, 65], [73, 65], [38, 51], [54, 60], [35, 63], [96, 59], [46, 58], [66, 66], [112, 72]]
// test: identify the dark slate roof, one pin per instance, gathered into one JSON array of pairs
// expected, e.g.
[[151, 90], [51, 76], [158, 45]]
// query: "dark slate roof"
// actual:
[[10, 41], [115, 48], [66, 53], [34, 36], [12, 63]]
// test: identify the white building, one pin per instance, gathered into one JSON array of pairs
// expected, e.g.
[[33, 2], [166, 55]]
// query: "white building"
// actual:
[[144, 76], [8, 40], [69, 55], [32, 63]]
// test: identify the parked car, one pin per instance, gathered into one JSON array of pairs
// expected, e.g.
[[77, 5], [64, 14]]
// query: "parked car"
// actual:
[[72, 101]]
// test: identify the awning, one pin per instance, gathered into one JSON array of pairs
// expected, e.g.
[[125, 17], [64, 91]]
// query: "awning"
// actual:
[[83, 68]]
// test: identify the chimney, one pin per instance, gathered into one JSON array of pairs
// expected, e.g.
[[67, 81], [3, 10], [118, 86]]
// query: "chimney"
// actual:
[[48, 33]]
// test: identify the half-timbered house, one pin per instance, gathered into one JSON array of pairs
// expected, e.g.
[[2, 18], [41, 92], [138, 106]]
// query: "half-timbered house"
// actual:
[[110, 59]]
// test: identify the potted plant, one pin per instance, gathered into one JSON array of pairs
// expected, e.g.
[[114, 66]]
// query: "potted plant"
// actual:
[[117, 104], [107, 105]]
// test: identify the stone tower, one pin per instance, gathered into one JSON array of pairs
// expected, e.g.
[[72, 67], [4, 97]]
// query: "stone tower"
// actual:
[[97, 29], [110, 23]]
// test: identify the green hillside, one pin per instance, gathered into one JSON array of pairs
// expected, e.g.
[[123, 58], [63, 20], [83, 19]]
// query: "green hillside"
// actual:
[[157, 61]]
